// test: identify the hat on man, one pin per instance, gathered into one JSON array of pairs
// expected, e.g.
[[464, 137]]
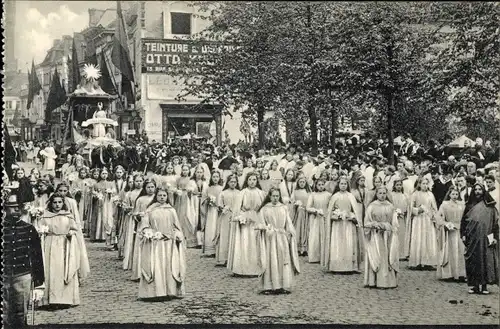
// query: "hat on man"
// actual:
[[11, 201]]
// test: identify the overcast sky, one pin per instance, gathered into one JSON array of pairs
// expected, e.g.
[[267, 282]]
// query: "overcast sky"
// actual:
[[38, 23]]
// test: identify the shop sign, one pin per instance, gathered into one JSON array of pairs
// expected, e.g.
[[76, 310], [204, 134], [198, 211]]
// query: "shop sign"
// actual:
[[160, 55]]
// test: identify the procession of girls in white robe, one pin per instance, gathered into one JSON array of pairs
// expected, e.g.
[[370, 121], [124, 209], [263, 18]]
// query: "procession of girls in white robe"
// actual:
[[255, 221]]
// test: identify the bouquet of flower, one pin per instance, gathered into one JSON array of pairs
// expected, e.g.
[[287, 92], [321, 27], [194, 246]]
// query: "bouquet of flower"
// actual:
[[336, 214], [148, 234], [98, 195], [212, 201], [298, 203], [158, 236], [116, 200], [43, 229], [73, 176], [178, 192], [399, 213], [109, 191], [36, 212], [450, 226], [241, 219]]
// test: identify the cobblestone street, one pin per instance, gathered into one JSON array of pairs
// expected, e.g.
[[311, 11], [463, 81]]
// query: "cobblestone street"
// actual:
[[214, 296]]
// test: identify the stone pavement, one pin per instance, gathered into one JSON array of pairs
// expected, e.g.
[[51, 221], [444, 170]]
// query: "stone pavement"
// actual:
[[214, 296]]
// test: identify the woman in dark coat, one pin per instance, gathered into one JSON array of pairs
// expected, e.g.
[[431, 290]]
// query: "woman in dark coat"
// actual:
[[479, 231]]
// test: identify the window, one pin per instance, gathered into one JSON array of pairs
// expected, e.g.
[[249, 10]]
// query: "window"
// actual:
[[181, 23], [8, 105]]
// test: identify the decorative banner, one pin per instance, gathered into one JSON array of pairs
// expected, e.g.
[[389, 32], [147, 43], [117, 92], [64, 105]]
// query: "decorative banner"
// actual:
[[160, 54]]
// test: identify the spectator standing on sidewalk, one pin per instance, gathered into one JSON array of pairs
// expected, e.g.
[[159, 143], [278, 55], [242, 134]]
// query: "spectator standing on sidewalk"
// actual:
[[23, 265]]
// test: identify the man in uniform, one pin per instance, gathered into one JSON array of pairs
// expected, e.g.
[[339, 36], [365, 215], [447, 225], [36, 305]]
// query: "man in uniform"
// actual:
[[23, 265]]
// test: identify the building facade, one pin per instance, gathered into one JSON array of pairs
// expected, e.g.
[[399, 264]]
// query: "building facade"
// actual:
[[57, 57]]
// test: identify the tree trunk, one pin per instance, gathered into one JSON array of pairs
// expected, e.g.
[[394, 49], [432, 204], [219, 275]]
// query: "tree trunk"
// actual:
[[334, 127], [311, 110], [260, 125], [313, 122], [390, 128]]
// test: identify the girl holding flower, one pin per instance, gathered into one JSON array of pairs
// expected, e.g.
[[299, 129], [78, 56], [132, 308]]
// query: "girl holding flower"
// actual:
[[400, 201], [168, 181], [243, 258], [185, 208], [342, 239], [228, 199], [275, 173], [332, 179], [63, 189], [78, 190], [120, 184], [200, 189], [370, 194], [126, 245], [381, 233], [265, 180], [176, 163], [317, 206], [300, 220], [141, 204], [90, 204], [65, 258], [287, 188], [211, 211], [105, 190], [162, 250], [124, 208], [422, 239], [451, 260], [277, 245]]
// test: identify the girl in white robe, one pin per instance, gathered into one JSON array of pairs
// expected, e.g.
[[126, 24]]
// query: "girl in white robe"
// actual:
[[123, 220], [211, 211], [129, 222], [200, 189], [162, 250], [168, 180], [243, 259], [228, 199], [62, 251], [451, 260], [287, 187], [265, 180], [78, 190], [277, 245], [381, 232], [423, 240], [317, 206], [342, 243], [400, 201], [104, 224], [300, 221], [184, 207], [141, 204]]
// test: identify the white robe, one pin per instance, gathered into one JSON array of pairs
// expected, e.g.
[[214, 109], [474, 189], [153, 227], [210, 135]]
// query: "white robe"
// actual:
[[50, 158]]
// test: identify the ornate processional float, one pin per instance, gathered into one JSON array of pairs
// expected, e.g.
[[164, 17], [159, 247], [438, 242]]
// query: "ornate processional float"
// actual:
[[89, 125]]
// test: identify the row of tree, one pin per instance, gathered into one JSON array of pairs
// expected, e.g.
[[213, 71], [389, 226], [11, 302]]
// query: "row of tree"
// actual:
[[407, 65]]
